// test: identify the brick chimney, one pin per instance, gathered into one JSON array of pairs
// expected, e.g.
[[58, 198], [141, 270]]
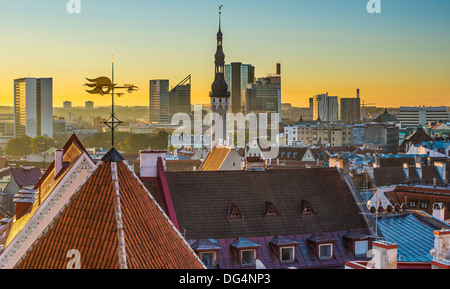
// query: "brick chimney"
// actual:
[[384, 255], [439, 211], [149, 163], [441, 251], [58, 161]]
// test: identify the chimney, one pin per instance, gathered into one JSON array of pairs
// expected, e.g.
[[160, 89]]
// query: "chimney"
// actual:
[[406, 170], [384, 255], [58, 161], [441, 251], [149, 163], [279, 68], [442, 170], [439, 211], [419, 169], [357, 93]]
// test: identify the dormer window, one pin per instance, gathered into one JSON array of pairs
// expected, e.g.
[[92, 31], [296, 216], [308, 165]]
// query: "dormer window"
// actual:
[[284, 248], [246, 251], [248, 257], [208, 251], [358, 242], [233, 212], [326, 251], [270, 210], [361, 247], [306, 208], [287, 254], [322, 245], [209, 259]]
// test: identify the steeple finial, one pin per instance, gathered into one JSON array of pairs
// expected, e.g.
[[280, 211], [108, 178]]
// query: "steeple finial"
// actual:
[[220, 17]]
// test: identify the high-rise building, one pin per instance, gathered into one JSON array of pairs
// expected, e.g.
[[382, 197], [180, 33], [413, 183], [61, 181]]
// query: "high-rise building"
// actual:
[[412, 117], [89, 105], [67, 104], [220, 96], [33, 107], [180, 97], [237, 76], [264, 96], [350, 109], [159, 101], [325, 107]]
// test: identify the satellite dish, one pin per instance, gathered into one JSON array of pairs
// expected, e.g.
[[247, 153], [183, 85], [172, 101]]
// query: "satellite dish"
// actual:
[[259, 264]]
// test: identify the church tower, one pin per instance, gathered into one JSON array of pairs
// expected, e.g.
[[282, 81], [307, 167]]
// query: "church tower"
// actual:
[[219, 93]]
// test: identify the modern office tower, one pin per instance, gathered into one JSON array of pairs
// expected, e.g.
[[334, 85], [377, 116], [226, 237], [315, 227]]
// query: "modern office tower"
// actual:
[[89, 105], [412, 117], [180, 98], [33, 107], [325, 107], [264, 96], [350, 109], [67, 105], [159, 101], [237, 76]]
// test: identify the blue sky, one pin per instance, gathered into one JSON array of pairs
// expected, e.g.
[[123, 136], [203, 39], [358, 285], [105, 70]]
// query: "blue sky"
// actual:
[[323, 45]]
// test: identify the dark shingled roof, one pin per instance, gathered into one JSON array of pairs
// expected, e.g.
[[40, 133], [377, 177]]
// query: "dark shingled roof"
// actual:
[[387, 176], [26, 176], [202, 200]]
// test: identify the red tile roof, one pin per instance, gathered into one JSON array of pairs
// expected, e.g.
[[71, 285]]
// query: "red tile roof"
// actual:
[[114, 223]]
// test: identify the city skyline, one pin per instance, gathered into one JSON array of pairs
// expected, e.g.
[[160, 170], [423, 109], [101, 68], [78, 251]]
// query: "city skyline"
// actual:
[[398, 57]]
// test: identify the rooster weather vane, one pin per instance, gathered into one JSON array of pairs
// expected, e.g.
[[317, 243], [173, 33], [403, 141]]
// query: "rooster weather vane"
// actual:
[[105, 86]]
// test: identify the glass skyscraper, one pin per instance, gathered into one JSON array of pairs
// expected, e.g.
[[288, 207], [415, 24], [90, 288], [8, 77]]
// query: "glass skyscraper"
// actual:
[[237, 76], [159, 101]]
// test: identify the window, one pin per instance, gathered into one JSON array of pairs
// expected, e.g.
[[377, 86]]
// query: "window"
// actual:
[[233, 212], [248, 257], [424, 204], [412, 203], [209, 258], [326, 251], [361, 247], [287, 254]]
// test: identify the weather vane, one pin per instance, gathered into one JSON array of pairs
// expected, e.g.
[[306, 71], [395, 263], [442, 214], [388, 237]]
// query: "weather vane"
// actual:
[[105, 86]]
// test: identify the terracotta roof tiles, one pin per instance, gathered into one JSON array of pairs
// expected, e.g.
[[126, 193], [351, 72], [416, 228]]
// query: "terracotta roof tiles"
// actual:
[[112, 211]]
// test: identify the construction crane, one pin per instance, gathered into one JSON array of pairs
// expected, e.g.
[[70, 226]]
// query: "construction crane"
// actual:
[[364, 104]]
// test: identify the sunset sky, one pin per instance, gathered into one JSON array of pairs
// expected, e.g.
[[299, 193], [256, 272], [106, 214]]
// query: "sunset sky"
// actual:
[[398, 57]]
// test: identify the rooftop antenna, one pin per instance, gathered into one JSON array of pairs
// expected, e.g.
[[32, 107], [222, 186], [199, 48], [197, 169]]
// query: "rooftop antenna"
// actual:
[[103, 85]]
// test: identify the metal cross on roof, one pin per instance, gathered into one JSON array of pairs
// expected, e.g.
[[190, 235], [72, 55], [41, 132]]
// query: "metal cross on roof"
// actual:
[[105, 86]]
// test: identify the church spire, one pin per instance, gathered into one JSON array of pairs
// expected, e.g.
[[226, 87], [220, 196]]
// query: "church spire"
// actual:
[[219, 86]]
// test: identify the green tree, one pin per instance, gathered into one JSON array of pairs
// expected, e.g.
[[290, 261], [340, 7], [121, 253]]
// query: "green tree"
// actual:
[[20, 146], [42, 143]]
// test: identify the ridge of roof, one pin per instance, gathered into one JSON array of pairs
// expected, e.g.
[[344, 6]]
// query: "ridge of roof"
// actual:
[[121, 248]]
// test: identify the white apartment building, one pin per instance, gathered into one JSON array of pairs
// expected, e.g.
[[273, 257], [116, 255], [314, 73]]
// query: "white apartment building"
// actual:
[[412, 117], [33, 107], [325, 107]]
